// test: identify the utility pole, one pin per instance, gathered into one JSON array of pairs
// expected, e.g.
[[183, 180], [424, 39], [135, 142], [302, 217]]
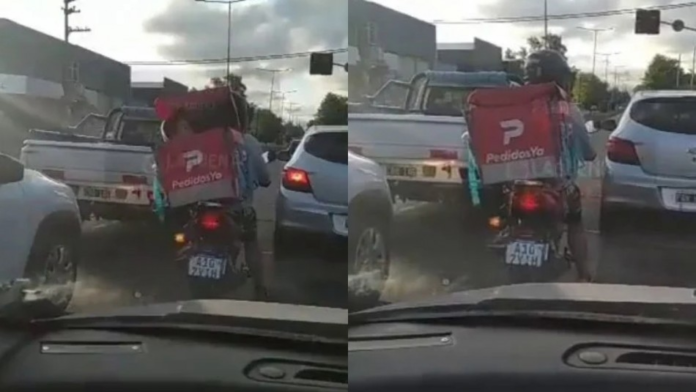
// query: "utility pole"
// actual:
[[595, 32], [693, 69], [67, 11], [546, 24], [679, 69], [273, 77], [606, 64]]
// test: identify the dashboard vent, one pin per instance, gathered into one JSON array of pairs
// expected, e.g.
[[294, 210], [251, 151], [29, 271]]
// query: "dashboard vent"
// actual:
[[658, 359]]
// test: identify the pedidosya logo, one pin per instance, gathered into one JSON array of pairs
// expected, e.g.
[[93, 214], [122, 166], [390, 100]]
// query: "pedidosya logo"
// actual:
[[515, 155], [197, 180]]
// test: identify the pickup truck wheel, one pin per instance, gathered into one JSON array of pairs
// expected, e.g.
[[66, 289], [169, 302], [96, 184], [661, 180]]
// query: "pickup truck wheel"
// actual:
[[52, 265], [368, 258]]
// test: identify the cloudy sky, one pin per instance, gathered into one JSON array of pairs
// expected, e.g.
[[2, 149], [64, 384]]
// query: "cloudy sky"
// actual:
[[634, 52], [162, 30]]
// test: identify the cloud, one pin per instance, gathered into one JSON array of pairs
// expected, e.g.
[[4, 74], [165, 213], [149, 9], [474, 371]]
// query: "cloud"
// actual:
[[635, 51], [259, 28]]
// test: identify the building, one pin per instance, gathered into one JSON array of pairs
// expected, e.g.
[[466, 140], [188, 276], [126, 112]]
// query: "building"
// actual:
[[479, 55], [45, 81], [145, 93], [386, 44]]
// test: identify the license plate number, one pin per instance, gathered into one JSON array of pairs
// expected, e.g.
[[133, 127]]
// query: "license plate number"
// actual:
[[207, 266], [402, 171], [526, 253], [340, 224], [686, 198], [97, 193]]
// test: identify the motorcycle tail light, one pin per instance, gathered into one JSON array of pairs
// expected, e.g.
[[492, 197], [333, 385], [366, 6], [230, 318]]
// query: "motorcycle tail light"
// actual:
[[528, 202], [210, 220]]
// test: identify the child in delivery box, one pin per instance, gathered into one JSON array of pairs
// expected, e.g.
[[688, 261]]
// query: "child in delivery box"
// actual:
[[209, 155], [532, 132]]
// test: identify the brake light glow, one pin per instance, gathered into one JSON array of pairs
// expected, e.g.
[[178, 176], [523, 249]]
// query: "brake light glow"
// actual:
[[210, 221], [443, 154], [622, 151], [296, 180], [528, 202]]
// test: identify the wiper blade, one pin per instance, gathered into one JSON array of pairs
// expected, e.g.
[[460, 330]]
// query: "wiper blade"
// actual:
[[330, 329]]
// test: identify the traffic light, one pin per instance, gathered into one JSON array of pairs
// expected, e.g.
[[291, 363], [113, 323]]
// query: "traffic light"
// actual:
[[648, 22], [321, 64]]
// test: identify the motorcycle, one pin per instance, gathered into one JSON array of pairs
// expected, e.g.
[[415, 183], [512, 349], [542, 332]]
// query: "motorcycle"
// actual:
[[209, 244], [535, 245]]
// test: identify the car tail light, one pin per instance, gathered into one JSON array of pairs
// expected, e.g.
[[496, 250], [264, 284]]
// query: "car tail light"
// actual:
[[622, 151], [443, 154], [134, 180], [210, 220], [296, 180]]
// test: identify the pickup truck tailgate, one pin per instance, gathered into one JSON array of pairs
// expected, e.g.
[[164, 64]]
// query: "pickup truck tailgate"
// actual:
[[411, 146], [405, 136], [89, 162]]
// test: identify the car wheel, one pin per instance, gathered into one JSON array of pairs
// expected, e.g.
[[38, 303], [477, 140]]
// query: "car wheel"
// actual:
[[52, 268], [368, 259]]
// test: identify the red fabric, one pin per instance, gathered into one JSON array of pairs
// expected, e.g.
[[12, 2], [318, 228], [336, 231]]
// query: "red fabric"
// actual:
[[513, 124], [194, 160], [194, 100]]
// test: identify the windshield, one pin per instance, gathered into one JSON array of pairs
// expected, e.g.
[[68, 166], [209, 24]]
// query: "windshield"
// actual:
[[108, 225], [457, 224], [446, 101]]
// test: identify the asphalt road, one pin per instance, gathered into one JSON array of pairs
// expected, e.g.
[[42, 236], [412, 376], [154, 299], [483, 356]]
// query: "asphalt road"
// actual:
[[132, 263], [436, 250]]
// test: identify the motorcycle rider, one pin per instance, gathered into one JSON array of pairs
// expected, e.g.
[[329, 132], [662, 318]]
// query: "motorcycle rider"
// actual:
[[549, 66], [255, 171], [545, 66]]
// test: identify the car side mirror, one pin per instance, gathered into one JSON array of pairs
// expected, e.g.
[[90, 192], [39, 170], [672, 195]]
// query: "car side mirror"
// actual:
[[270, 156], [11, 170], [608, 124], [283, 156]]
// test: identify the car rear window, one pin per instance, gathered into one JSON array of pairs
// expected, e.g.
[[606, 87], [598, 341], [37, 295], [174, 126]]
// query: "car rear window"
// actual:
[[329, 146], [673, 115]]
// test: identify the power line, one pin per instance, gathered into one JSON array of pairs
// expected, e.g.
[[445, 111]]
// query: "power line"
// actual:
[[537, 18], [233, 59]]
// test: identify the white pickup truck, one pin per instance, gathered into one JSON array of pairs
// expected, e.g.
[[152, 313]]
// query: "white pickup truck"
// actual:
[[418, 139], [111, 175]]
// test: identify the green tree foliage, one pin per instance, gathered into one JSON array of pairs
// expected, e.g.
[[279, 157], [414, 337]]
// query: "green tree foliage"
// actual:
[[662, 75], [590, 91], [332, 111]]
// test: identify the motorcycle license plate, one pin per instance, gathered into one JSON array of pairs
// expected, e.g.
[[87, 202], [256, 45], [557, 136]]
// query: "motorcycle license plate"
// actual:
[[526, 253], [207, 266]]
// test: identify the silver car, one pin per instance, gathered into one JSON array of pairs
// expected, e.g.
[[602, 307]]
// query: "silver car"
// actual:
[[651, 156], [313, 197]]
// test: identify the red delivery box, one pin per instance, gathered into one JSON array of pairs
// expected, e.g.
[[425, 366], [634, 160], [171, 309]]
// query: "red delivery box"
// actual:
[[198, 167], [515, 132], [203, 165]]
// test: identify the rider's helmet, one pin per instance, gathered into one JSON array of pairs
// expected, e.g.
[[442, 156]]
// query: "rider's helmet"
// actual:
[[548, 66], [233, 111]]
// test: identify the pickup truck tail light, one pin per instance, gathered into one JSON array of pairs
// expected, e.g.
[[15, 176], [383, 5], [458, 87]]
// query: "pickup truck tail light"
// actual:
[[130, 179], [296, 180], [622, 151], [55, 174], [444, 154]]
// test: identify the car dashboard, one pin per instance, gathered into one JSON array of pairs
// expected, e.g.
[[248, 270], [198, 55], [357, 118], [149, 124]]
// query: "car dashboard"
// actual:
[[520, 356], [116, 360]]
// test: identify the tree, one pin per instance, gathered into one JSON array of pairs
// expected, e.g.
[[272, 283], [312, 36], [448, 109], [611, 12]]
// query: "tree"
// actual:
[[555, 42], [590, 91], [293, 131], [268, 127], [235, 81], [661, 74], [332, 111]]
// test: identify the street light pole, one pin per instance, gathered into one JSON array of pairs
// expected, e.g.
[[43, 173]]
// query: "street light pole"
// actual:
[[229, 31], [273, 76], [595, 31]]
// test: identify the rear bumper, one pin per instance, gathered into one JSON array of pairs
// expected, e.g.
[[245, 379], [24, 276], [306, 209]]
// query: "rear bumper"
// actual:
[[297, 211], [627, 186]]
